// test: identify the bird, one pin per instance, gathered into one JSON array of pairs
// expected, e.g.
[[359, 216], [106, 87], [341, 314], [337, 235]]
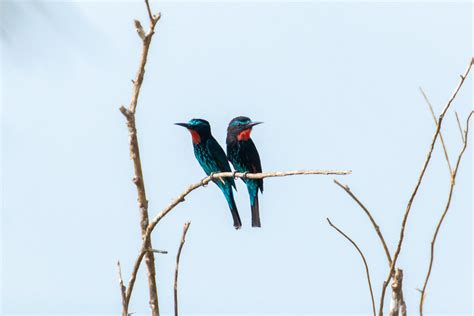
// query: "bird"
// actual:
[[243, 155], [213, 159]]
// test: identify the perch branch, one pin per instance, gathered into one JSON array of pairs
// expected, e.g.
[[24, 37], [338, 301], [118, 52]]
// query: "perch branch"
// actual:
[[220, 175], [448, 204], [363, 259], [371, 218], [178, 256], [138, 173], [418, 183], [203, 183], [440, 135]]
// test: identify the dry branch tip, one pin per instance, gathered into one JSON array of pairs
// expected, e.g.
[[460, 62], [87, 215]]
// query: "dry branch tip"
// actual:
[[459, 125], [363, 260], [139, 29], [178, 256]]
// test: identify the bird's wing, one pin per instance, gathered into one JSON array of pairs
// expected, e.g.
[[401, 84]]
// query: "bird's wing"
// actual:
[[220, 158], [252, 160]]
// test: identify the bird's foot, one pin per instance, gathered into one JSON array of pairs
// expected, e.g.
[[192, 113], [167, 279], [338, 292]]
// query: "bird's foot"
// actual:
[[245, 175], [204, 183], [213, 177], [233, 175]]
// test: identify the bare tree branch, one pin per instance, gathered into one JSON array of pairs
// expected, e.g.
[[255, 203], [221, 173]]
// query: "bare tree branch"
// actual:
[[262, 175], [363, 259], [146, 40], [446, 208], [418, 183], [122, 288], [440, 135], [372, 220], [138, 173], [397, 304], [183, 239]]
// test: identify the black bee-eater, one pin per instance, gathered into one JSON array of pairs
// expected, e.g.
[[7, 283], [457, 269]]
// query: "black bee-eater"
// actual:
[[212, 159], [243, 155]]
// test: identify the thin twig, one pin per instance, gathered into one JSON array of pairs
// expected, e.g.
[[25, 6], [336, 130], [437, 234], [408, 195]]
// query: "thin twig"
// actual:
[[459, 125], [363, 259], [448, 204], [262, 175], [371, 218], [418, 183], [178, 256], [150, 15], [203, 183], [440, 134], [122, 286], [137, 167], [397, 304]]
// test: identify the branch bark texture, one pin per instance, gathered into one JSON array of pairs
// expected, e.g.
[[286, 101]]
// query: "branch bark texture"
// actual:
[[137, 167]]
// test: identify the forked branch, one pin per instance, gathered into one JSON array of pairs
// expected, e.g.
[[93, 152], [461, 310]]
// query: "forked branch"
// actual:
[[178, 256], [371, 218], [418, 183], [446, 208], [440, 134]]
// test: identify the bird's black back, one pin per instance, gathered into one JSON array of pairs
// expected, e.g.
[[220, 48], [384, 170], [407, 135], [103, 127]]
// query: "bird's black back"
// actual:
[[245, 158]]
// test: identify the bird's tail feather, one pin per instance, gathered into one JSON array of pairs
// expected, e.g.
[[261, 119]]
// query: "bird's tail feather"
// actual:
[[255, 212], [229, 195]]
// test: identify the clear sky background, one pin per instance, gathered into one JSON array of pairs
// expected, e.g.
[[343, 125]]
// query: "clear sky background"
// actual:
[[337, 87]]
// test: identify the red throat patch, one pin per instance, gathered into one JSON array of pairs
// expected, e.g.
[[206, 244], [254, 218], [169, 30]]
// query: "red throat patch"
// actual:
[[195, 136], [245, 134]]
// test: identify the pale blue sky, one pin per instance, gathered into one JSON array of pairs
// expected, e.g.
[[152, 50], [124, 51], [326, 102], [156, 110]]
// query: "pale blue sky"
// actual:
[[337, 87]]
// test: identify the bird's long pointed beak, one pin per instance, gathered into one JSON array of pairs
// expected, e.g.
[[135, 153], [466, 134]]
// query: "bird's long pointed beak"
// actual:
[[182, 124], [252, 124]]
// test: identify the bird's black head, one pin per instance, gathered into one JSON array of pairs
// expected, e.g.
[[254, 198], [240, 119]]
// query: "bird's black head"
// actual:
[[199, 128], [239, 128]]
